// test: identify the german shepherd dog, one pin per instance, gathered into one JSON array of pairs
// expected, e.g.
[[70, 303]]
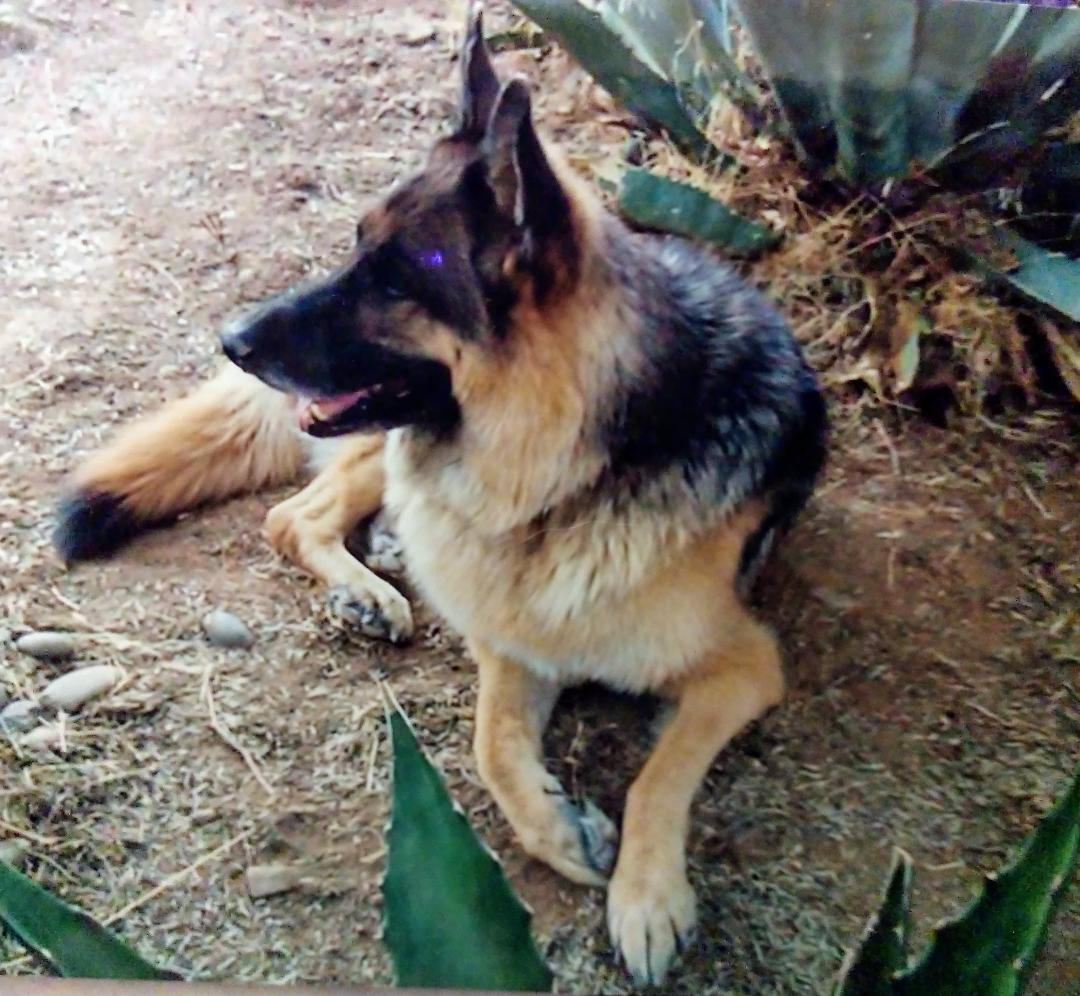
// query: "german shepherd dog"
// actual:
[[588, 439]]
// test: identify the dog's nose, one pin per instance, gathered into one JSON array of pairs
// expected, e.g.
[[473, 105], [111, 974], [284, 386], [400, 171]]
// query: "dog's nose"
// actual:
[[237, 345]]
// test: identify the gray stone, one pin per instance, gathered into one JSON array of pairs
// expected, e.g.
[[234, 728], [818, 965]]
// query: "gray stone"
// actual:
[[20, 715], [47, 645], [223, 629]]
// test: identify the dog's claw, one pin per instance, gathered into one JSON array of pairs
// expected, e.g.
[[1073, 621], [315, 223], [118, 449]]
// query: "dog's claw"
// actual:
[[384, 617], [650, 921]]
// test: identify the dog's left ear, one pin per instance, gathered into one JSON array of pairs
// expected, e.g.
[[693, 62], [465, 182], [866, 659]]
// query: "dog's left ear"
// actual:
[[479, 84], [526, 189]]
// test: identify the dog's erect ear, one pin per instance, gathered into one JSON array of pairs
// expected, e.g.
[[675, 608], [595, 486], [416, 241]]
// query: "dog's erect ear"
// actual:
[[479, 84], [526, 189]]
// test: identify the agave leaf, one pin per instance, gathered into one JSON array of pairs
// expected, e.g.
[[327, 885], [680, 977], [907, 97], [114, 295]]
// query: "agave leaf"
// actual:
[[869, 970], [869, 48], [780, 30], [990, 949], [619, 65], [70, 940], [684, 39], [945, 74], [1051, 278], [656, 202], [871, 85], [450, 918]]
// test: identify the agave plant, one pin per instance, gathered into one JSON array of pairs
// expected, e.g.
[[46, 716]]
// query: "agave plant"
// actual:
[[971, 95], [991, 948]]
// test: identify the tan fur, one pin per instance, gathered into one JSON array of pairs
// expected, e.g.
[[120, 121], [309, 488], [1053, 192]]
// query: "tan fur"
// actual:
[[232, 435]]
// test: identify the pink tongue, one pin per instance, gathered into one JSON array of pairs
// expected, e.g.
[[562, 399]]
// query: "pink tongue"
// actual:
[[328, 407]]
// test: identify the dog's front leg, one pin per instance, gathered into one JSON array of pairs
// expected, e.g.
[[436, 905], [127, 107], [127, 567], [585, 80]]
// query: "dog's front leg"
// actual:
[[651, 908], [310, 529], [512, 710]]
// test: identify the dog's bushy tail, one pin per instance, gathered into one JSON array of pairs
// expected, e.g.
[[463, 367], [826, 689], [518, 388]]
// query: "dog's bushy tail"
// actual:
[[231, 435]]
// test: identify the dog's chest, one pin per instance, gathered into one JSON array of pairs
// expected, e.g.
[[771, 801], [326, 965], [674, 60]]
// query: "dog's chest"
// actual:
[[602, 598]]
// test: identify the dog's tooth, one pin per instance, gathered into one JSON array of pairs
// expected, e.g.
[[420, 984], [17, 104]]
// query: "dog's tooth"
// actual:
[[315, 410]]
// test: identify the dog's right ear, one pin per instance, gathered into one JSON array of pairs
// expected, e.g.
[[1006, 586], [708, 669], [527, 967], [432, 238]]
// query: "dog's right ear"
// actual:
[[479, 84]]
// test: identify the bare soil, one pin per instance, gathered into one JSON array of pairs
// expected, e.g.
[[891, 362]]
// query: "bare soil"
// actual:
[[168, 163]]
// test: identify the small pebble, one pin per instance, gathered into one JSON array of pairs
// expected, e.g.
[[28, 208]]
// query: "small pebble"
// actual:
[[19, 715], [75, 688], [14, 852], [223, 629], [268, 880], [47, 645]]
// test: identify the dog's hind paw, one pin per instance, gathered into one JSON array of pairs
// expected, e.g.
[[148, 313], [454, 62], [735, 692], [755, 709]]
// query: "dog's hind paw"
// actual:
[[382, 613], [597, 834], [384, 551], [578, 841], [651, 918]]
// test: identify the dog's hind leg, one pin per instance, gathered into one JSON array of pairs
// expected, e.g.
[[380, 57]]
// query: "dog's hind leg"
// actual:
[[650, 902], [310, 529], [231, 435], [513, 707]]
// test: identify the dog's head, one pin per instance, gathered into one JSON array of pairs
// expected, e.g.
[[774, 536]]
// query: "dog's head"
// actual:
[[439, 267]]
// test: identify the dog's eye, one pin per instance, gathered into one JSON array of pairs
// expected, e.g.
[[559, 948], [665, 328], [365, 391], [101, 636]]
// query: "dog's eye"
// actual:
[[388, 276]]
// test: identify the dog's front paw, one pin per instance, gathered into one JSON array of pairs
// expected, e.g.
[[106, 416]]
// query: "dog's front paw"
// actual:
[[382, 613], [651, 918]]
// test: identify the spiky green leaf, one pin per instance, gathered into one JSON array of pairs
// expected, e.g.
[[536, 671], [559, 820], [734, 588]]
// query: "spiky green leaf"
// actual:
[[876, 85], [624, 68], [883, 950], [945, 74], [70, 940], [450, 918], [685, 40], [1051, 278], [657, 202], [990, 949], [781, 31]]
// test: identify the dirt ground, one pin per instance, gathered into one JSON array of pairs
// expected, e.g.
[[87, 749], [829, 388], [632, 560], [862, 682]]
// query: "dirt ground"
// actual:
[[166, 164]]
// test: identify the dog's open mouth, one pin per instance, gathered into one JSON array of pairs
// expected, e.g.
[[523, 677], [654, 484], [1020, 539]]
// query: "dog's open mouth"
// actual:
[[326, 416], [394, 401]]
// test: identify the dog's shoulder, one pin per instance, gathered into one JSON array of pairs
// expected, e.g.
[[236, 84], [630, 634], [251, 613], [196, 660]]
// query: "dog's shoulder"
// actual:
[[724, 407]]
